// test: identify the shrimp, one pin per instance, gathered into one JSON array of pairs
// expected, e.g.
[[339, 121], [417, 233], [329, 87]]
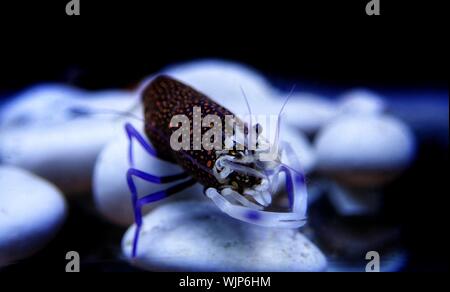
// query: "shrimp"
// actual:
[[239, 179]]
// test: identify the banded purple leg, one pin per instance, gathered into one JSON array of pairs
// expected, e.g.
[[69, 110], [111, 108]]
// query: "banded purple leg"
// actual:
[[133, 133], [137, 202]]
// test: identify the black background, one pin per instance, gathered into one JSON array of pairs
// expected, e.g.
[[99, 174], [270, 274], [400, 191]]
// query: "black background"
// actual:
[[116, 43]]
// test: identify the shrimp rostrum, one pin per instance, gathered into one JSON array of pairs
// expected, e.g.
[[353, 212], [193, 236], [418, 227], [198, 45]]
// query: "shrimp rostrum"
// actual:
[[239, 168]]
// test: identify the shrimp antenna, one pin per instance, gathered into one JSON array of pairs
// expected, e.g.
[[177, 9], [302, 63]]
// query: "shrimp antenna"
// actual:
[[84, 111], [287, 99], [277, 135], [249, 112]]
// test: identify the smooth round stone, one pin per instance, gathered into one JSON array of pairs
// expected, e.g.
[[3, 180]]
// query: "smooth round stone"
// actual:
[[37, 106], [57, 132], [64, 154], [361, 101], [354, 202], [308, 112], [224, 82], [52, 104], [364, 150], [31, 212], [196, 236], [111, 194]]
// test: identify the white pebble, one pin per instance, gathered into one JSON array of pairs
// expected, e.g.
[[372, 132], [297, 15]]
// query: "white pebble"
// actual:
[[354, 202], [222, 81], [57, 132], [374, 144], [31, 212], [38, 105], [360, 101], [196, 236], [64, 154], [308, 112], [53, 104]]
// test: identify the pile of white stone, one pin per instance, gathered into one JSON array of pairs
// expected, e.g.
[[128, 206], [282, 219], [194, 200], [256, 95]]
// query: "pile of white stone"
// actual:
[[57, 141]]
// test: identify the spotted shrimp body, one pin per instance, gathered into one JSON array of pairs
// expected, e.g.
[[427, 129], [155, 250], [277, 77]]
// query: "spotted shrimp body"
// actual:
[[234, 175]]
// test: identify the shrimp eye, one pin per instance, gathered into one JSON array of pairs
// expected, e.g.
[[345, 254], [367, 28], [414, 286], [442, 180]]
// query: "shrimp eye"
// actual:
[[258, 129]]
